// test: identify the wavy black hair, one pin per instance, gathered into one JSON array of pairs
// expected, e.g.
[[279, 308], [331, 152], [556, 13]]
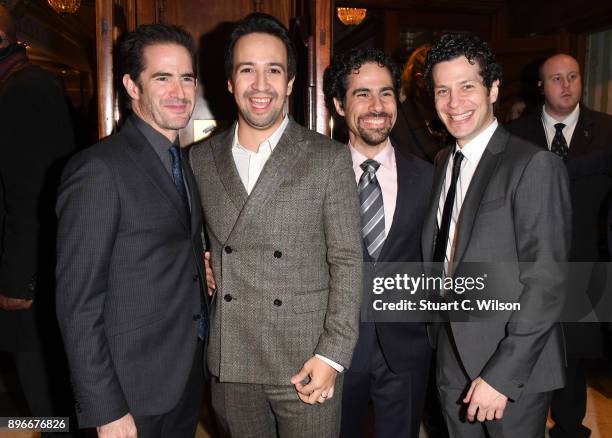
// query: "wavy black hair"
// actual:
[[473, 48], [335, 78], [258, 22], [132, 45]]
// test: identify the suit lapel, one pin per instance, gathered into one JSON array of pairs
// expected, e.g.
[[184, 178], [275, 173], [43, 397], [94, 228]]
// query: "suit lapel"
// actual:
[[194, 195], [149, 163], [581, 138], [226, 168], [430, 226], [278, 168], [484, 171]]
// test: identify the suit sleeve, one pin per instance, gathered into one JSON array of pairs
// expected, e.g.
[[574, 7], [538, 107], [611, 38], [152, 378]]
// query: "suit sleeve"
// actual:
[[542, 211], [344, 256], [88, 211]]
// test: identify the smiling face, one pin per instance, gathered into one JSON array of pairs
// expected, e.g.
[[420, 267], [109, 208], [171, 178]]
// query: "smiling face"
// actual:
[[369, 107], [164, 95], [462, 101], [562, 85], [259, 83]]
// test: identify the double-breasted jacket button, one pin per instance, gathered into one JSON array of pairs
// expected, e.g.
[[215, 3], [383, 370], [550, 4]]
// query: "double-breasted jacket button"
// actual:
[[228, 298], [278, 254], [228, 249], [278, 302]]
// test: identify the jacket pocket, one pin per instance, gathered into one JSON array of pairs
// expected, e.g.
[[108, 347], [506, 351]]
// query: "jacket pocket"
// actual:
[[310, 301], [134, 324]]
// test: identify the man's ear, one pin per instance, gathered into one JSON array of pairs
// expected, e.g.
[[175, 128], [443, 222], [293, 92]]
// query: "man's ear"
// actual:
[[132, 88], [339, 107], [230, 86], [290, 86], [494, 91]]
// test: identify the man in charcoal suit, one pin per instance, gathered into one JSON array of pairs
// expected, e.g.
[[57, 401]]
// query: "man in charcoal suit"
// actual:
[[584, 139], [130, 257], [495, 375], [282, 218], [391, 360]]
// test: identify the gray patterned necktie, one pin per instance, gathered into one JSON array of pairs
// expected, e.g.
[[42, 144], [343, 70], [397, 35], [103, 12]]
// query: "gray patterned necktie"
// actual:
[[559, 145], [372, 211]]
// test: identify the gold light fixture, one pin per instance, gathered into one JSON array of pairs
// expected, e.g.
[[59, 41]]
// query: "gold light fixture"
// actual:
[[351, 16], [65, 6]]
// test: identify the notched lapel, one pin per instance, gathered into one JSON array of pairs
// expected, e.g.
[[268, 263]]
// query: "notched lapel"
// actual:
[[431, 222], [484, 172], [226, 168], [581, 138], [278, 168], [146, 159]]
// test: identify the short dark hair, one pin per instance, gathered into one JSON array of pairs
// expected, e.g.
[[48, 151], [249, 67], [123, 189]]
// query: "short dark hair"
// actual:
[[132, 45], [335, 78], [473, 48], [258, 22]]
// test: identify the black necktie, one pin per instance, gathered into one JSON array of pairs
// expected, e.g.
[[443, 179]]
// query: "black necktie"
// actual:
[[177, 175], [442, 237], [559, 145], [372, 209]]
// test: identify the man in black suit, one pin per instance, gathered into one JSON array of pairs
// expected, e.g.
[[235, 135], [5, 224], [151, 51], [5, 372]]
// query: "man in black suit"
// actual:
[[495, 373], [584, 139], [29, 174], [130, 257], [391, 360]]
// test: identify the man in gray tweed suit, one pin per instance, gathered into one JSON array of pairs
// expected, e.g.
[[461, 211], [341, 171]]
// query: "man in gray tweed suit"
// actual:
[[282, 219]]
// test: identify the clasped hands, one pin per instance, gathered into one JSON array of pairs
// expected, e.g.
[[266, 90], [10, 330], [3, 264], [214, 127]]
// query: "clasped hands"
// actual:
[[484, 402]]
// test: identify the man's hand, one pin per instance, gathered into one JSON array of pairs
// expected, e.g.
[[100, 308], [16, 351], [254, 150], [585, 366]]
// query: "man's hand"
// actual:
[[322, 381], [9, 303], [124, 427], [210, 277], [485, 399]]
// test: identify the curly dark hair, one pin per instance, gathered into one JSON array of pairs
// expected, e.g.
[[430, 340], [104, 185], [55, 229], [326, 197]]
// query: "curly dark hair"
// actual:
[[258, 22], [132, 45], [473, 48], [335, 78]]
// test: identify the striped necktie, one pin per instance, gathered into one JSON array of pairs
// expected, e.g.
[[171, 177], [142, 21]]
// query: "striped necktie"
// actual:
[[372, 211]]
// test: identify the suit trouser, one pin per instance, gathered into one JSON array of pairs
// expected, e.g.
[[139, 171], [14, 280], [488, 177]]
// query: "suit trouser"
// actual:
[[568, 404], [246, 410], [182, 420], [524, 418], [397, 398]]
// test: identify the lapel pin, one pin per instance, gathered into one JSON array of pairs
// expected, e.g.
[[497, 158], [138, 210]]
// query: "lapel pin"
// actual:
[[586, 133]]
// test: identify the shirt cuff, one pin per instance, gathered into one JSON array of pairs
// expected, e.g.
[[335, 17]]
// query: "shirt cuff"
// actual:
[[331, 363]]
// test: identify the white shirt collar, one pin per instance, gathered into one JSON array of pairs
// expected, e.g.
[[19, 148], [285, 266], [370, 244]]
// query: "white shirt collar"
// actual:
[[384, 157], [269, 143], [474, 149]]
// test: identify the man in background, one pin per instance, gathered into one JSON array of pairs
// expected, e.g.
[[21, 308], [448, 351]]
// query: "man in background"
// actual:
[[130, 260], [583, 138], [36, 136], [391, 361]]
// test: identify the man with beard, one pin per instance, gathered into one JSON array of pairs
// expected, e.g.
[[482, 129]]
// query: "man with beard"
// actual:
[[391, 360], [583, 138], [129, 298], [283, 226]]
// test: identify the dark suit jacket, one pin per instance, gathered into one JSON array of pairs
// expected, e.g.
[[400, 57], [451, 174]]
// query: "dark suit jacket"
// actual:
[[404, 345], [128, 279], [36, 138], [589, 165], [503, 219]]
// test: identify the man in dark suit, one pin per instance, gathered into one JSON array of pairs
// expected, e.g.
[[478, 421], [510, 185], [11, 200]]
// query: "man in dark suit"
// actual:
[[283, 225], [485, 209], [130, 254], [584, 139], [30, 163], [391, 360]]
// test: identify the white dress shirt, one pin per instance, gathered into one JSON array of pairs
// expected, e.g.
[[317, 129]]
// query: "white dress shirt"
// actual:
[[472, 153], [570, 123], [250, 164], [386, 176]]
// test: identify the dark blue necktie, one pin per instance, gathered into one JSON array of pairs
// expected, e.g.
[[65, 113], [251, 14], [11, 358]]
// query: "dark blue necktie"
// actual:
[[177, 176]]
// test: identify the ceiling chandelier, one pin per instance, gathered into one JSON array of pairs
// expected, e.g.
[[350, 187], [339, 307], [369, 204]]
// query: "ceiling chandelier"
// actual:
[[65, 6], [351, 16]]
